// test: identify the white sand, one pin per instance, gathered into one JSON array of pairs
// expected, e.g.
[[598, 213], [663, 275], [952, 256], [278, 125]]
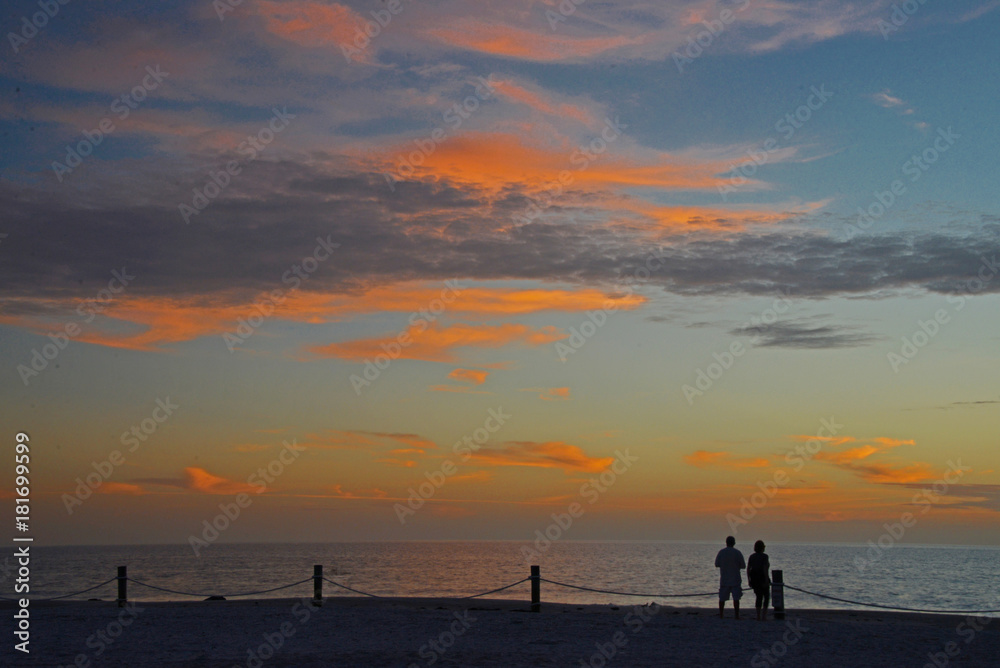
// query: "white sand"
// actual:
[[400, 632]]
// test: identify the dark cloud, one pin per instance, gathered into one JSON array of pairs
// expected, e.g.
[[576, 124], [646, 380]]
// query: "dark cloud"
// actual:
[[968, 496], [960, 404], [65, 242], [804, 334]]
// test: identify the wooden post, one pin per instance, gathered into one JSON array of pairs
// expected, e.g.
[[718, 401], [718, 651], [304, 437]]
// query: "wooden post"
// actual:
[[122, 586], [317, 585], [536, 589], [778, 593]]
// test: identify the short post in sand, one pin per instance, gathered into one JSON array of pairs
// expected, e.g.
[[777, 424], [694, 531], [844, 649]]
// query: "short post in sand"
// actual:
[[122, 586], [317, 585], [536, 589], [778, 593]]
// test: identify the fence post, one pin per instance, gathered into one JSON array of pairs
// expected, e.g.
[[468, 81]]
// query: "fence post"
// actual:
[[122, 586], [536, 589], [778, 593], [317, 585]]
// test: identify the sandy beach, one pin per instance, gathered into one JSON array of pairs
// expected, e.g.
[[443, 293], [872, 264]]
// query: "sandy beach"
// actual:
[[441, 632]]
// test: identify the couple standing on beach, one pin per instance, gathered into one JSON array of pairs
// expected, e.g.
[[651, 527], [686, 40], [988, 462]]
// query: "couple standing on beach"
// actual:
[[730, 561]]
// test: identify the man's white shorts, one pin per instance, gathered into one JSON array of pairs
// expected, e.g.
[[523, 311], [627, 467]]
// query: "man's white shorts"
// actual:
[[735, 590]]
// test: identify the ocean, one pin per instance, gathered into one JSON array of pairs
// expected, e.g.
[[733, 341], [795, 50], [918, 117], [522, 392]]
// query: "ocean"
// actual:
[[925, 577]]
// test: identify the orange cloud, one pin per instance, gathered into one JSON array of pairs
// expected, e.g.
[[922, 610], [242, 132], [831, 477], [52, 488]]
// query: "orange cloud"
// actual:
[[315, 24], [504, 40], [414, 443], [501, 302], [161, 321], [437, 343], [456, 389], [495, 161], [551, 454], [200, 480], [392, 461], [848, 456], [250, 447], [340, 492], [893, 442], [703, 459], [882, 444], [549, 393], [475, 476], [884, 473], [473, 376], [878, 472], [828, 440], [340, 440], [167, 320], [120, 488], [718, 218], [541, 102]]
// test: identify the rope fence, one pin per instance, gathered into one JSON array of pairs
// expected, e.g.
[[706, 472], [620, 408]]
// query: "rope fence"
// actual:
[[627, 593], [356, 591], [56, 598], [778, 587], [493, 591], [893, 607], [249, 593]]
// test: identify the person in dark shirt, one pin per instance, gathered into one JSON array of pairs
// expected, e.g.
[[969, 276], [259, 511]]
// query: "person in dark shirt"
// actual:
[[758, 577]]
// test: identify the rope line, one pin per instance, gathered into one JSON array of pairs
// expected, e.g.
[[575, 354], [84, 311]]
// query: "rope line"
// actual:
[[56, 598], [625, 593], [356, 591], [890, 607], [493, 591], [249, 593]]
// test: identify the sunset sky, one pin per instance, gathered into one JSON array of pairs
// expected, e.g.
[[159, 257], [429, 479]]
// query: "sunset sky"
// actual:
[[648, 257]]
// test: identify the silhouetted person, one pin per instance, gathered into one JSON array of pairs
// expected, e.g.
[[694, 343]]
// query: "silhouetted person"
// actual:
[[730, 561], [758, 577]]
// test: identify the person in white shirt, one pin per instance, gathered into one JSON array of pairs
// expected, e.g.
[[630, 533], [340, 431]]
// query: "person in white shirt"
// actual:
[[730, 561]]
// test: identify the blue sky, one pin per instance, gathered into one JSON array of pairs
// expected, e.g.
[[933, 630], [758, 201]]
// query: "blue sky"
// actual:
[[535, 266]]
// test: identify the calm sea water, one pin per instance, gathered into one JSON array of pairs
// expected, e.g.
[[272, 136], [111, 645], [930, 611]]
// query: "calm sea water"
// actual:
[[961, 578]]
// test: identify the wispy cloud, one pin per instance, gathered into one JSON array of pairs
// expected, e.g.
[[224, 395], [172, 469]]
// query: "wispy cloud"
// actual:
[[550, 454], [439, 343], [511, 41], [803, 334], [110, 487], [472, 376], [887, 100], [197, 479], [315, 24], [970, 496], [340, 492], [724, 460], [989, 402], [860, 461], [549, 393]]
